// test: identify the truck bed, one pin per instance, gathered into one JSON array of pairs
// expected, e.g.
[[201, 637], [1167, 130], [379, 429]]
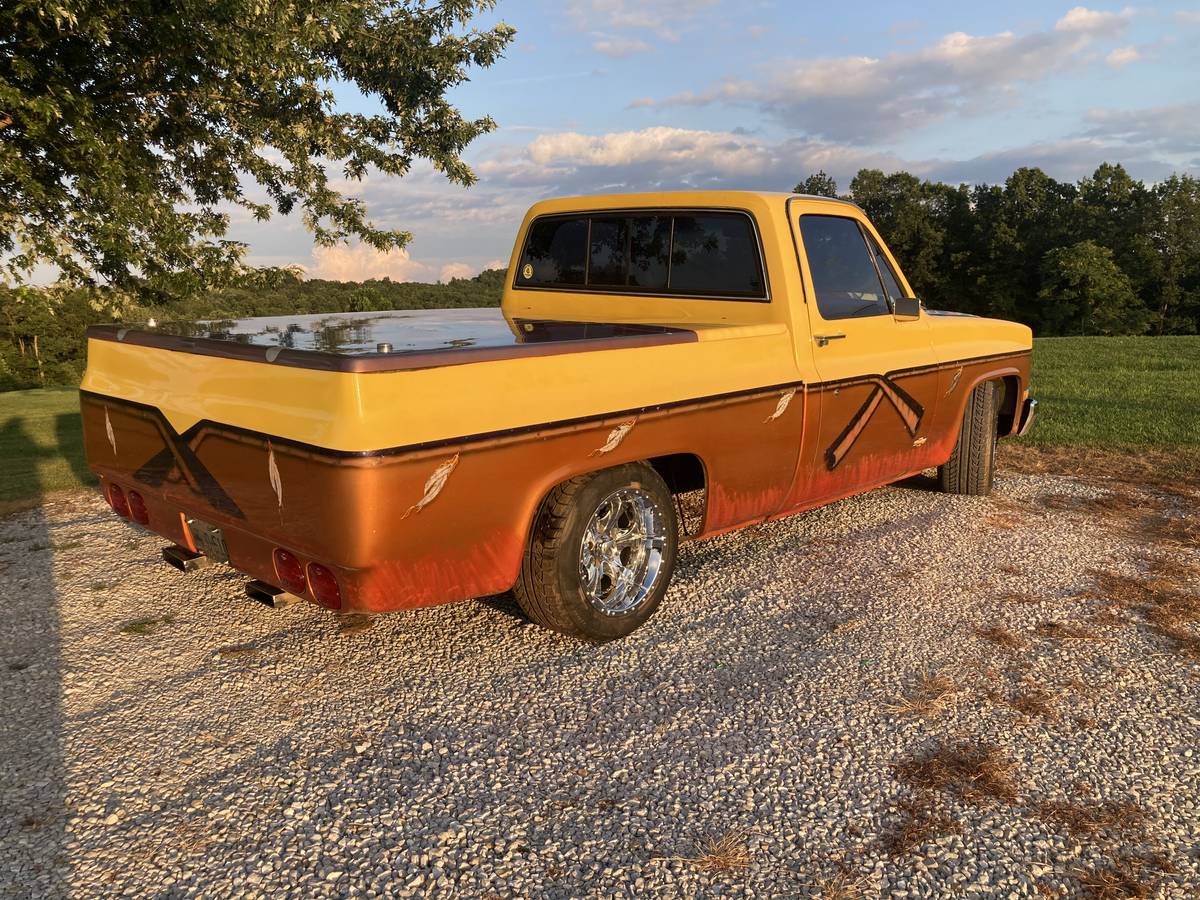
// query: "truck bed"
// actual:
[[388, 341]]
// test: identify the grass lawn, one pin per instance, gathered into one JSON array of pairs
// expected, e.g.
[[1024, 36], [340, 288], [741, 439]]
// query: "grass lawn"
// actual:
[[1117, 392], [1124, 394], [41, 445]]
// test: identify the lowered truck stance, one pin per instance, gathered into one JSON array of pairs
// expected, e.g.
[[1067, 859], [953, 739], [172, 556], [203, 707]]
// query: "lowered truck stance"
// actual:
[[662, 367]]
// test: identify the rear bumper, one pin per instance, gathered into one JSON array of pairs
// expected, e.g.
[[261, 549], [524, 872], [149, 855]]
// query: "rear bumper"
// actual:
[[249, 553], [1028, 414]]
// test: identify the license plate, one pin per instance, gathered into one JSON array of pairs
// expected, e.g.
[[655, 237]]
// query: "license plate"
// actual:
[[208, 540]]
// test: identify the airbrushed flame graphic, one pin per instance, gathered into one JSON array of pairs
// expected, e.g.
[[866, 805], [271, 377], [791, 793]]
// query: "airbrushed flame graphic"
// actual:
[[910, 411]]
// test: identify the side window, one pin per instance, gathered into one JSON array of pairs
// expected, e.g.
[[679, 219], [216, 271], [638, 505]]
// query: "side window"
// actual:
[[555, 252], [716, 254], [891, 283], [844, 276]]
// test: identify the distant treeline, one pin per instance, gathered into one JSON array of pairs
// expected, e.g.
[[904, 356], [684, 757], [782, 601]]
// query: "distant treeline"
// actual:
[[1106, 255]]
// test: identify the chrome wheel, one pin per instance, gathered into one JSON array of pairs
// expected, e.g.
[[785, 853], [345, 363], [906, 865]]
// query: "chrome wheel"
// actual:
[[621, 554]]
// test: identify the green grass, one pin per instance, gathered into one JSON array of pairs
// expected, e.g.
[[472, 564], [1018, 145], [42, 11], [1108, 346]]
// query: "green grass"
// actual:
[[1093, 392], [41, 445], [1117, 392]]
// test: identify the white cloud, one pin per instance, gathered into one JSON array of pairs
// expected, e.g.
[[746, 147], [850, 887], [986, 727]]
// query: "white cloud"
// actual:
[[618, 46], [1081, 20], [864, 99], [1188, 17], [1068, 159], [1173, 128], [1122, 56], [495, 264], [450, 271], [664, 19], [358, 262], [662, 158]]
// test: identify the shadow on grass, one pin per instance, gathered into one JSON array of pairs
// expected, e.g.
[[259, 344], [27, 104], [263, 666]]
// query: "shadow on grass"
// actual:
[[39, 455], [68, 436]]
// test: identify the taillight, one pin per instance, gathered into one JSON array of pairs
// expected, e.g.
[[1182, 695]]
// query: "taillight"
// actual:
[[116, 499], [324, 586], [137, 508], [290, 571]]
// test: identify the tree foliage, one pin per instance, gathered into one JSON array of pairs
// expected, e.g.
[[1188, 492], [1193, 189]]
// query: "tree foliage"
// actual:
[[128, 129], [1107, 255], [1083, 291], [818, 185]]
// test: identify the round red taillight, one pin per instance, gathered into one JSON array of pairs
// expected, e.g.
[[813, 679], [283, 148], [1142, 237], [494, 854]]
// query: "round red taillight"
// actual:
[[324, 586], [116, 499], [290, 571], [137, 508]]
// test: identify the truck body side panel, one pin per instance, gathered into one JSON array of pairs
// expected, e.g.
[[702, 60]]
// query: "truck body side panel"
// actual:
[[413, 527]]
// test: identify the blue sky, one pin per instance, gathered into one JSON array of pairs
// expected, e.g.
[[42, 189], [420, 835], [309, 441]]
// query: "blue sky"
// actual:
[[599, 95]]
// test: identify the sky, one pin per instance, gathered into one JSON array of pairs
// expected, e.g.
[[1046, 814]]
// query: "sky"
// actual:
[[625, 95]]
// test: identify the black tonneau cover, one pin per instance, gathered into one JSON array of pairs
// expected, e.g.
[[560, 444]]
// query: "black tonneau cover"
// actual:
[[387, 341]]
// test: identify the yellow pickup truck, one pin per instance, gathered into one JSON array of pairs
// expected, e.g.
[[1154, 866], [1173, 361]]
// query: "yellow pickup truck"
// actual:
[[663, 367]]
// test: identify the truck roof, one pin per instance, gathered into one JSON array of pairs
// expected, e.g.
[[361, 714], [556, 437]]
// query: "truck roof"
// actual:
[[669, 199]]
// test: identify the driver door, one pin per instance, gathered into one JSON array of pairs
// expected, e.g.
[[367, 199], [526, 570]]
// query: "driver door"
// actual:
[[878, 374]]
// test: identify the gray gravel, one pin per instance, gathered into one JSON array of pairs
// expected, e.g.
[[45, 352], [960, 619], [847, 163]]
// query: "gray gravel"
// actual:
[[163, 735]]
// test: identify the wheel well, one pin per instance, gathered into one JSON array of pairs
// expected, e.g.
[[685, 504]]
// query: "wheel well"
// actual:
[[682, 472], [686, 479], [1009, 387]]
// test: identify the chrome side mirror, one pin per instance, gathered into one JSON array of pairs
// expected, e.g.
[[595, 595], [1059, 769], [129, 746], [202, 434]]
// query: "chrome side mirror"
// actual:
[[908, 309]]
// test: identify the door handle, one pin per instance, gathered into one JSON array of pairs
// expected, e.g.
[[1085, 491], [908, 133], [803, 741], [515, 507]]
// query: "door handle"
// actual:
[[823, 339]]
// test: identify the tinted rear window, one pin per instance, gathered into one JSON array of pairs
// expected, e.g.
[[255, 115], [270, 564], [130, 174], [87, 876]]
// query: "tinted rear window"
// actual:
[[556, 249], [715, 254], [692, 254], [649, 249]]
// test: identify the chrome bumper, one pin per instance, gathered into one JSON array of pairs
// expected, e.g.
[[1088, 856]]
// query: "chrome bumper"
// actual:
[[1028, 414]]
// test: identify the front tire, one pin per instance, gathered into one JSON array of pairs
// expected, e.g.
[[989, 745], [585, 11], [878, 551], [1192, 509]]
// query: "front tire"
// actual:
[[601, 553], [972, 465]]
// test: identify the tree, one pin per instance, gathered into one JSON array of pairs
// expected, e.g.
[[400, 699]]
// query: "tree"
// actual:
[[1176, 240], [1084, 292], [1118, 212], [128, 128], [818, 185], [897, 205]]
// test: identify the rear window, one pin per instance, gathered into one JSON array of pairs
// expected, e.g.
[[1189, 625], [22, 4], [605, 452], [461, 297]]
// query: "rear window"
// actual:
[[556, 251], [701, 254]]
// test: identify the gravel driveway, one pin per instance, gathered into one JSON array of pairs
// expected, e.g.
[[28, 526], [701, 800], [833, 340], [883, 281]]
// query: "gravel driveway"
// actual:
[[903, 694]]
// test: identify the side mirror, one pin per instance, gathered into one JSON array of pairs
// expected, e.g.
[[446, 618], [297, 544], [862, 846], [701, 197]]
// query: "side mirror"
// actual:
[[908, 309]]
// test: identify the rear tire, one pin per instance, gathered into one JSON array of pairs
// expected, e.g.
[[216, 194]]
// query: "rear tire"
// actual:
[[601, 553], [972, 465]]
